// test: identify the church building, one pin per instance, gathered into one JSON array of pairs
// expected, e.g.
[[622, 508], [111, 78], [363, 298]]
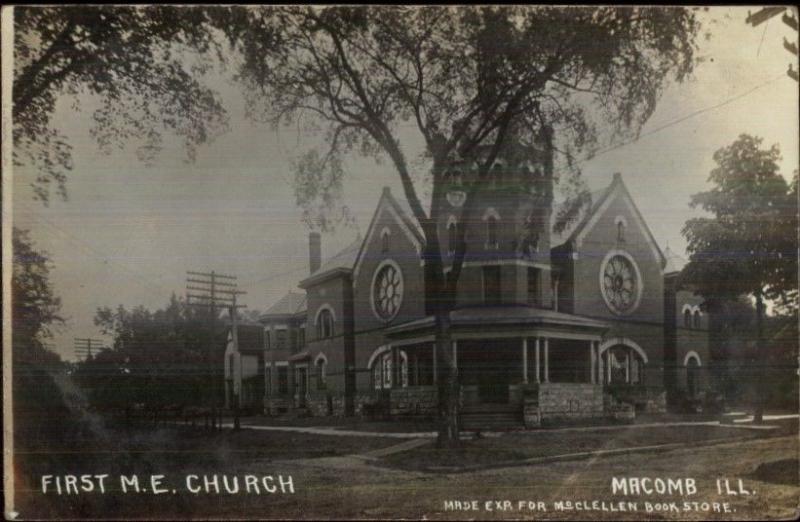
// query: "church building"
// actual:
[[570, 324]]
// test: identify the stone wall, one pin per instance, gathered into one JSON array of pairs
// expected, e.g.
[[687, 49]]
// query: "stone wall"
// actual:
[[417, 400], [570, 400], [320, 405]]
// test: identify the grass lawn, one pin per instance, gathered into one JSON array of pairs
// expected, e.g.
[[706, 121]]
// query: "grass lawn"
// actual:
[[171, 451], [347, 423], [520, 446]]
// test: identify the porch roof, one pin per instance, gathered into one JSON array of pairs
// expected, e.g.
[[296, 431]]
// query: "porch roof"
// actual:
[[503, 316], [300, 356]]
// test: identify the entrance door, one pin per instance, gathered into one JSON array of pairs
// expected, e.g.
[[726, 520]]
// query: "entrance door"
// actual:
[[301, 386], [493, 385]]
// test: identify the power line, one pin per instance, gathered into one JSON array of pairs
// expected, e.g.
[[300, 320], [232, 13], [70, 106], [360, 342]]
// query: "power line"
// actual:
[[684, 118]]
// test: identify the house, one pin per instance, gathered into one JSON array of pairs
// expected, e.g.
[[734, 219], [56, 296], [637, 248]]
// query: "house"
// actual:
[[570, 322]]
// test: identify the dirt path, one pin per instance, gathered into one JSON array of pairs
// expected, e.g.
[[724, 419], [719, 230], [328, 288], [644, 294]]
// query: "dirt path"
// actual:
[[363, 490]]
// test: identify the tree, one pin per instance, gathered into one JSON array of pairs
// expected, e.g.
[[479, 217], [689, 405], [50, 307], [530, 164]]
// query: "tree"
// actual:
[[157, 358], [749, 244], [133, 58], [470, 82], [35, 308]]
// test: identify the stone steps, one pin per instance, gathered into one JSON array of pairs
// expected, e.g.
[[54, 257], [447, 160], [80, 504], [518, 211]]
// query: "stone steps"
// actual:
[[497, 417]]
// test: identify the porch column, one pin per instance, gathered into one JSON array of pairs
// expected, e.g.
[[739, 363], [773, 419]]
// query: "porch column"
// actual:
[[599, 364], [455, 356], [628, 367], [546, 359], [525, 360], [592, 368], [608, 366], [538, 369], [435, 367]]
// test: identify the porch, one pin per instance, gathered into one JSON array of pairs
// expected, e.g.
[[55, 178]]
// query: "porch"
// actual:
[[506, 357]]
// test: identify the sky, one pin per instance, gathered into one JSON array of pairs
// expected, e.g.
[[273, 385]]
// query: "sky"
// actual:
[[128, 232]]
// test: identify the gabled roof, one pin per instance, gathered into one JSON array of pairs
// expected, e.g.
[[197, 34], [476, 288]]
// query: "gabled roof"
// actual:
[[600, 200], [341, 263], [403, 215], [574, 228], [290, 304], [675, 263]]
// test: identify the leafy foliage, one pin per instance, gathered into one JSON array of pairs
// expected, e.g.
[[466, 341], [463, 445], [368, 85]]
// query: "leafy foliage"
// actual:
[[133, 58], [158, 358], [35, 308], [466, 79], [749, 244]]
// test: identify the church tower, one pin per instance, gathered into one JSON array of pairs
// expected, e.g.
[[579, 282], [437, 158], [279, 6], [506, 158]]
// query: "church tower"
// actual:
[[507, 259]]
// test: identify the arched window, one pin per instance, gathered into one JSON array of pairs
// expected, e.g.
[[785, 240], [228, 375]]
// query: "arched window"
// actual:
[[627, 365], [455, 178], [383, 377], [692, 363], [321, 367], [491, 232], [325, 324], [621, 224], [497, 175], [687, 318], [385, 242], [696, 322], [451, 238]]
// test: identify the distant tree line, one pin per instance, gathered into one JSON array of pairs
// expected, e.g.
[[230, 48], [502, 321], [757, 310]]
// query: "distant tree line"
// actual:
[[158, 359]]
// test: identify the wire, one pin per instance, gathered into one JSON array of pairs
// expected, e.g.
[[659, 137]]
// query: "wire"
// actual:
[[684, 118]]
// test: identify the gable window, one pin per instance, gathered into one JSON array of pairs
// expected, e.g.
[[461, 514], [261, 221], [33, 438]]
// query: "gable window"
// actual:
[[687, 318], [533, 286], [696, 319], [385, 242], [451, 238], [491, 285], [621, 224], [301, 337], [267, 339], [325, 324]]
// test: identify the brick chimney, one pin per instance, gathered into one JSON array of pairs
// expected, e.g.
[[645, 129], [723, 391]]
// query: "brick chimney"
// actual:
[[314, 252]]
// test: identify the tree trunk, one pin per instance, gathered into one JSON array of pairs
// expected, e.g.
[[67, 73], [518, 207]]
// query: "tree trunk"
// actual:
[[449, 390], [758, 370]]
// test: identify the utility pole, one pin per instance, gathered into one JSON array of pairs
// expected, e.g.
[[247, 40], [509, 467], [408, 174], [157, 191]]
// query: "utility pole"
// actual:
[[83, 347], [212, 291]]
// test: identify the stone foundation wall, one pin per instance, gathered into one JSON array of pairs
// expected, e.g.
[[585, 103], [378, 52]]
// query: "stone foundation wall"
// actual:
[[319, 405], [418, 400], [570, 400]]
